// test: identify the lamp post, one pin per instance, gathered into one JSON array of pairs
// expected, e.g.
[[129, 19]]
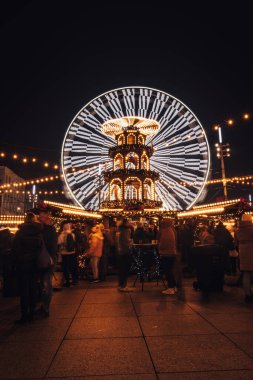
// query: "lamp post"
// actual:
[[222, 151]]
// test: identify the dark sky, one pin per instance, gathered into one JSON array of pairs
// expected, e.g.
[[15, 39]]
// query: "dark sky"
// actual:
[[57, 55]]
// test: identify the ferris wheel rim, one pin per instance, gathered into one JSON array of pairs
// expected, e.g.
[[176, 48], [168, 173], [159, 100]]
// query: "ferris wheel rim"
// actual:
[[207, 171]]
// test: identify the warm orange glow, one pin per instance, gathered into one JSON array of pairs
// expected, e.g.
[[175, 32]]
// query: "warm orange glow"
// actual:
[[246, 116], [34, 160], [15, 156], [216, 127], [230, 121], [46, 164], [2, 154], [25, 160]]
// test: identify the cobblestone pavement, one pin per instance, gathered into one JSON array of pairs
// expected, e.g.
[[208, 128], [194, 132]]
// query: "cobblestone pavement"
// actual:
[[94, 332]]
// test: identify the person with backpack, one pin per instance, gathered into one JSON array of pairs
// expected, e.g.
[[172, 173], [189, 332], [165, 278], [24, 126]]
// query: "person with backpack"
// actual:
[[27, 245], [67, 249]]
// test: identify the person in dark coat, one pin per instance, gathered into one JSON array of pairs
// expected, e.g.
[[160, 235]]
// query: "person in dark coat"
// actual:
[[46, 276], [223, 238], [139, 234], [123, 243], [103, 263], [27, 245]]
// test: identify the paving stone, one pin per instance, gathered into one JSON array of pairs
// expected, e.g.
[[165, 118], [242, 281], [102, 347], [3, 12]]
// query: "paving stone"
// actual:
[[24, 360], [145, 376], [104, 327], [105, 297], [106, 310], [196, 353], [44, 330], [211, 375], [63, 311], [244, 341], [163, 308], [222, 307], [175, 325], [152, 296], [66, 298], [116, 356], [232, 323]]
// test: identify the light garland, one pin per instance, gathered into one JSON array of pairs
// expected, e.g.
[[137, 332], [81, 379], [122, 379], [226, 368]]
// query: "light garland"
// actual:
[[201, 212], [29, 160], [225, 203]]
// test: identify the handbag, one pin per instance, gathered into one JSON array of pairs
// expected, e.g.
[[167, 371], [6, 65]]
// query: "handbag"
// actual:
[[44, 259], [233, 253]]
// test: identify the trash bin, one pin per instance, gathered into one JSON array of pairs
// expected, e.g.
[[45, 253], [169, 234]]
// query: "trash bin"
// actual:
[[209, 264]]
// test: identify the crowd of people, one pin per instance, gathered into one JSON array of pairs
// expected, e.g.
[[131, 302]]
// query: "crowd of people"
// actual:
[[86, 251]]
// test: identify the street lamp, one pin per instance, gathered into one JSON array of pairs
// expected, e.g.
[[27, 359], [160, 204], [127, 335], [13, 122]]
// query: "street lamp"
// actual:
[[222, 151]]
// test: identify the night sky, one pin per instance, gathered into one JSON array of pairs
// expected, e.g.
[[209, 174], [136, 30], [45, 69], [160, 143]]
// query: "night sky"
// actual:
[[56, 56]]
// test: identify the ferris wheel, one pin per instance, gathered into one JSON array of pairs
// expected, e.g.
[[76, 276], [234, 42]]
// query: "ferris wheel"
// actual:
[[181, 150]]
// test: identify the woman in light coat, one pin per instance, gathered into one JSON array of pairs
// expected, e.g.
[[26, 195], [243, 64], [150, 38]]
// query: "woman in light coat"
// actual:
[[244, 241], [95, 250]]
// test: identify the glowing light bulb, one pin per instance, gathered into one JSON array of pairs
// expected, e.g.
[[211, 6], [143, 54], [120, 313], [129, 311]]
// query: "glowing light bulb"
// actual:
[[15, 156], [246, 116], [46, 164], [230, 121]]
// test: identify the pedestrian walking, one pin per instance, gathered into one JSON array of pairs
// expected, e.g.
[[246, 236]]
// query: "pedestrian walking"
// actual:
[[95, 251], [67, 250], [46, 275], [123, 244], [27, 245], [167, 251], [244, 241]]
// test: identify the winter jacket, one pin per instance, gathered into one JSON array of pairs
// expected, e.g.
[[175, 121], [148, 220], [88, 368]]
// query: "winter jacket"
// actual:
[[96, 244], [27, 245], [244, 237], [223, 237], [167, 241]]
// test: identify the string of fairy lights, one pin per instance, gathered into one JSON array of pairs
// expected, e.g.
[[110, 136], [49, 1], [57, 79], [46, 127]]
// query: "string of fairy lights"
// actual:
[[242, 180], [28, 160]]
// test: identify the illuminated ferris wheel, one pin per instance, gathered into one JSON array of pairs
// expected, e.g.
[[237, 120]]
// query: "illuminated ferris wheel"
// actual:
[[181, 152]]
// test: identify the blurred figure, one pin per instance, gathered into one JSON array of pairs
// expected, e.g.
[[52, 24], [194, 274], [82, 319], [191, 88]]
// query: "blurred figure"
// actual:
[[46, 275], [123, 240], [186, 242], [244, 241], [6, 264], [95, 251], [223, 238], [67, 250], [205, 236], [27, 245], [105, 253], [139, 234], [167, 251]]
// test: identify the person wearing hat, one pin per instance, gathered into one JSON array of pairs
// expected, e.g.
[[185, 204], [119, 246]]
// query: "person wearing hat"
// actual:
[[244, 240]]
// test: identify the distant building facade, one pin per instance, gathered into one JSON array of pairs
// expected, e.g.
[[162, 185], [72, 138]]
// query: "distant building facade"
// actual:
[[11, 202]]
